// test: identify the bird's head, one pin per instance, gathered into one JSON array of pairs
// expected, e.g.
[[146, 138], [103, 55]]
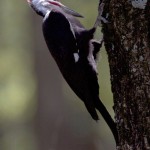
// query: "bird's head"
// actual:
[[44, 6]]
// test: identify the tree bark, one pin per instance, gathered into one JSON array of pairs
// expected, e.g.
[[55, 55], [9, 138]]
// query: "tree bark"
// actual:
[[127, 42]]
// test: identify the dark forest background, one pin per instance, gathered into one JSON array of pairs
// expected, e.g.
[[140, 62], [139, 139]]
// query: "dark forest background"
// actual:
[[38, 111]]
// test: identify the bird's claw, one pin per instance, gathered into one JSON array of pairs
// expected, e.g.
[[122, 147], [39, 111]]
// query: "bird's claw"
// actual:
[[100, 18]]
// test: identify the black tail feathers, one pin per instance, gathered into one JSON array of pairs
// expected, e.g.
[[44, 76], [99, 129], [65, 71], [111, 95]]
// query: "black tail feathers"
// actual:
[[110, 122], [92, 111]]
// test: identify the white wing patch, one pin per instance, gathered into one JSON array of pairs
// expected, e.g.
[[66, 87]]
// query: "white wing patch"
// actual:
[[76, 57]]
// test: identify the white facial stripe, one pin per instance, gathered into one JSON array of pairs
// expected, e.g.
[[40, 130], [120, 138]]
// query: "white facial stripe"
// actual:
[[46, 16]]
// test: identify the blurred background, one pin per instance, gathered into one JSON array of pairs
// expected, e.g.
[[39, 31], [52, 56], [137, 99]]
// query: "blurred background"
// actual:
[[38, 111]]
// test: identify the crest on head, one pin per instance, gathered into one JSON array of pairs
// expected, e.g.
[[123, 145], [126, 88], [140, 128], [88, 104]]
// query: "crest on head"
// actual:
[[44, 6]]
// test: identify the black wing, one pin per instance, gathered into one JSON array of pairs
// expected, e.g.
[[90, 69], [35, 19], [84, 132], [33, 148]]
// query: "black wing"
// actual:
[[80, 75], [58, 35]]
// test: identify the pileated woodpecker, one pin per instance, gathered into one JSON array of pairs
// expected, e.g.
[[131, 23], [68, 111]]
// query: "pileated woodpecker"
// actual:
[[74, 50]]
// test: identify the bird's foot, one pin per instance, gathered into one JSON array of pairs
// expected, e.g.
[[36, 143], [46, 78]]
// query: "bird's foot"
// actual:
[[100, 18]]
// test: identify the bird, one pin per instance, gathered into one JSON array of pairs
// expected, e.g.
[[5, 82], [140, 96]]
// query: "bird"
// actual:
[[75, 52]]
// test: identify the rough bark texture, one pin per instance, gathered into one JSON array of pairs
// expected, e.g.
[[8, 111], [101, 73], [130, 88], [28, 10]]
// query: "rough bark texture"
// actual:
[[127, 42]]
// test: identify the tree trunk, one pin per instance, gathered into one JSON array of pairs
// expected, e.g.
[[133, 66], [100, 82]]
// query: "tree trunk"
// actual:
[[127, 42]]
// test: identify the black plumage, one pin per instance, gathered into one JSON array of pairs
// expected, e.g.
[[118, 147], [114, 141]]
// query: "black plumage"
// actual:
[[81, 75], [75, 52]]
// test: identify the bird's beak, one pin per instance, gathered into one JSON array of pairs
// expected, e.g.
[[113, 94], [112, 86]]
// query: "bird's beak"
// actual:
[[65, 8]]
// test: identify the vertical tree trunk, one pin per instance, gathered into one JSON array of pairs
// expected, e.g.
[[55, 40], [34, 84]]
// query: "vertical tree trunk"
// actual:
[[127, 42]]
